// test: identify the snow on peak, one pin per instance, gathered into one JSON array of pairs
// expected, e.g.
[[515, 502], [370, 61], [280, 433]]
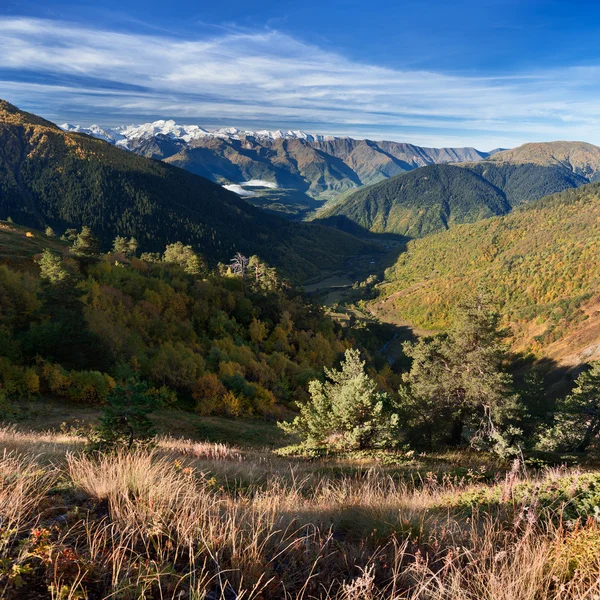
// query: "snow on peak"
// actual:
[[103, 133], [186, 133]]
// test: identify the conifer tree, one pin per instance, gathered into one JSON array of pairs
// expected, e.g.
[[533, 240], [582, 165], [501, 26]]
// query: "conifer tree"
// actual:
[[51, 267], [120, 245], [347, 412], [458, 378], [577, 421], [86, 245], [184, 256], [125, 422]]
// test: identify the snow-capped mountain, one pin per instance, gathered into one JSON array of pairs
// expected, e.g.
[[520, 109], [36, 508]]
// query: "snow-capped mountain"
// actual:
[[108, 135], [186, 133], [311, 165]]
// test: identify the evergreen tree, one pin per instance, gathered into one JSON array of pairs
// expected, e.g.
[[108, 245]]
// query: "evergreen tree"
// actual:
[[184, 256], [577, 421], [263, 277], [458, 378], [347, 412], [51, 267], [70, 235], [120, 245], [125, 421], [86, 245], [132, 246]]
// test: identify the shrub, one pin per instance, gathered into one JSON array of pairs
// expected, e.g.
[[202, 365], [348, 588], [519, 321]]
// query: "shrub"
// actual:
[[208, 392], [125, 421], [17, 381], [90, 387]]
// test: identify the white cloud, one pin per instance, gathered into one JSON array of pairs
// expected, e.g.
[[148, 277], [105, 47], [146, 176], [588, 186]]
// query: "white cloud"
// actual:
[[61, 69]]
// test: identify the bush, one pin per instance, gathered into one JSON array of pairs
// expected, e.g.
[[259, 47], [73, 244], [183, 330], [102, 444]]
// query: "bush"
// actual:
[[208, 392], [17, 381], [125, 422], [90, 387]]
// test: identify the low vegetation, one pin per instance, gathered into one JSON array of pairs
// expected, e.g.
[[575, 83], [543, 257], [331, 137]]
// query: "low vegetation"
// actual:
[[191, 520]]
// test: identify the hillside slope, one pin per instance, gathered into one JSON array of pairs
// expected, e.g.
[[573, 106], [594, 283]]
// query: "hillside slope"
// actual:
[[421, 202], [539, 262], [434, 198], [50, 177], [579, 157]]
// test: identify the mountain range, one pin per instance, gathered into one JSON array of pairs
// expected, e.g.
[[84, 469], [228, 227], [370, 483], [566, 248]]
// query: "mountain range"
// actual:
[[66, 179], [536, 255], [304, 167], [437, 197]]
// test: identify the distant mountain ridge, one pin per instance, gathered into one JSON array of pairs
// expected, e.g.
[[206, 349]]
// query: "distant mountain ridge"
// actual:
[[437, 197], [186, 133], [319, 166]]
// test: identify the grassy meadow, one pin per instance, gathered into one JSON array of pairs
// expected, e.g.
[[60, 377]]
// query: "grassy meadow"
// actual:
[[215, 520]]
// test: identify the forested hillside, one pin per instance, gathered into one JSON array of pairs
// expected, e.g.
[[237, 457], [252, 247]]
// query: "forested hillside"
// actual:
[[434, 198], [423, 201], [237, 340], [539, 263], [49, 177]]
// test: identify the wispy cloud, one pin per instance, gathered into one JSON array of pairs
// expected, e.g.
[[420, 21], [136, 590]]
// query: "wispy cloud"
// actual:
[[70, 71]]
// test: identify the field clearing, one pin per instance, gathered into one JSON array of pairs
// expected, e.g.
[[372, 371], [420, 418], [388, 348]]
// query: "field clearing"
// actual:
[[195, 519]]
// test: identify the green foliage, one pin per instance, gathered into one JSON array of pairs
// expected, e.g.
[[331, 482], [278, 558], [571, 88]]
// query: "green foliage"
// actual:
[[347, 412], [51, 267], [17, 381], [122, 245], [436, 197], [184, 256], [571, 496], [539, 263], [223, 347], [457, 380], [421, 202], [86, 244], [125, 422], [89, 387], [577, 417]]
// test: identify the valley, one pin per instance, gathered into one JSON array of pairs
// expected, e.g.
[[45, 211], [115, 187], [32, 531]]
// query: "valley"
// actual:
[[374, 397], [299, 300]]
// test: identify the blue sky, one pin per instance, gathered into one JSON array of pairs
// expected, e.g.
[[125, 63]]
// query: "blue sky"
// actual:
[[488, 73]]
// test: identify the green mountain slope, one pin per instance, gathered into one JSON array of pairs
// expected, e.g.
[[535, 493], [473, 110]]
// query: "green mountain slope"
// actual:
[[49, 177], [435, 197], [421, 202], [540, 262]]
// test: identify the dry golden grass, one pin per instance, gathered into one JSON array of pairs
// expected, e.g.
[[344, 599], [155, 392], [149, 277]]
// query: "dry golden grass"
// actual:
[[191, 520]]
